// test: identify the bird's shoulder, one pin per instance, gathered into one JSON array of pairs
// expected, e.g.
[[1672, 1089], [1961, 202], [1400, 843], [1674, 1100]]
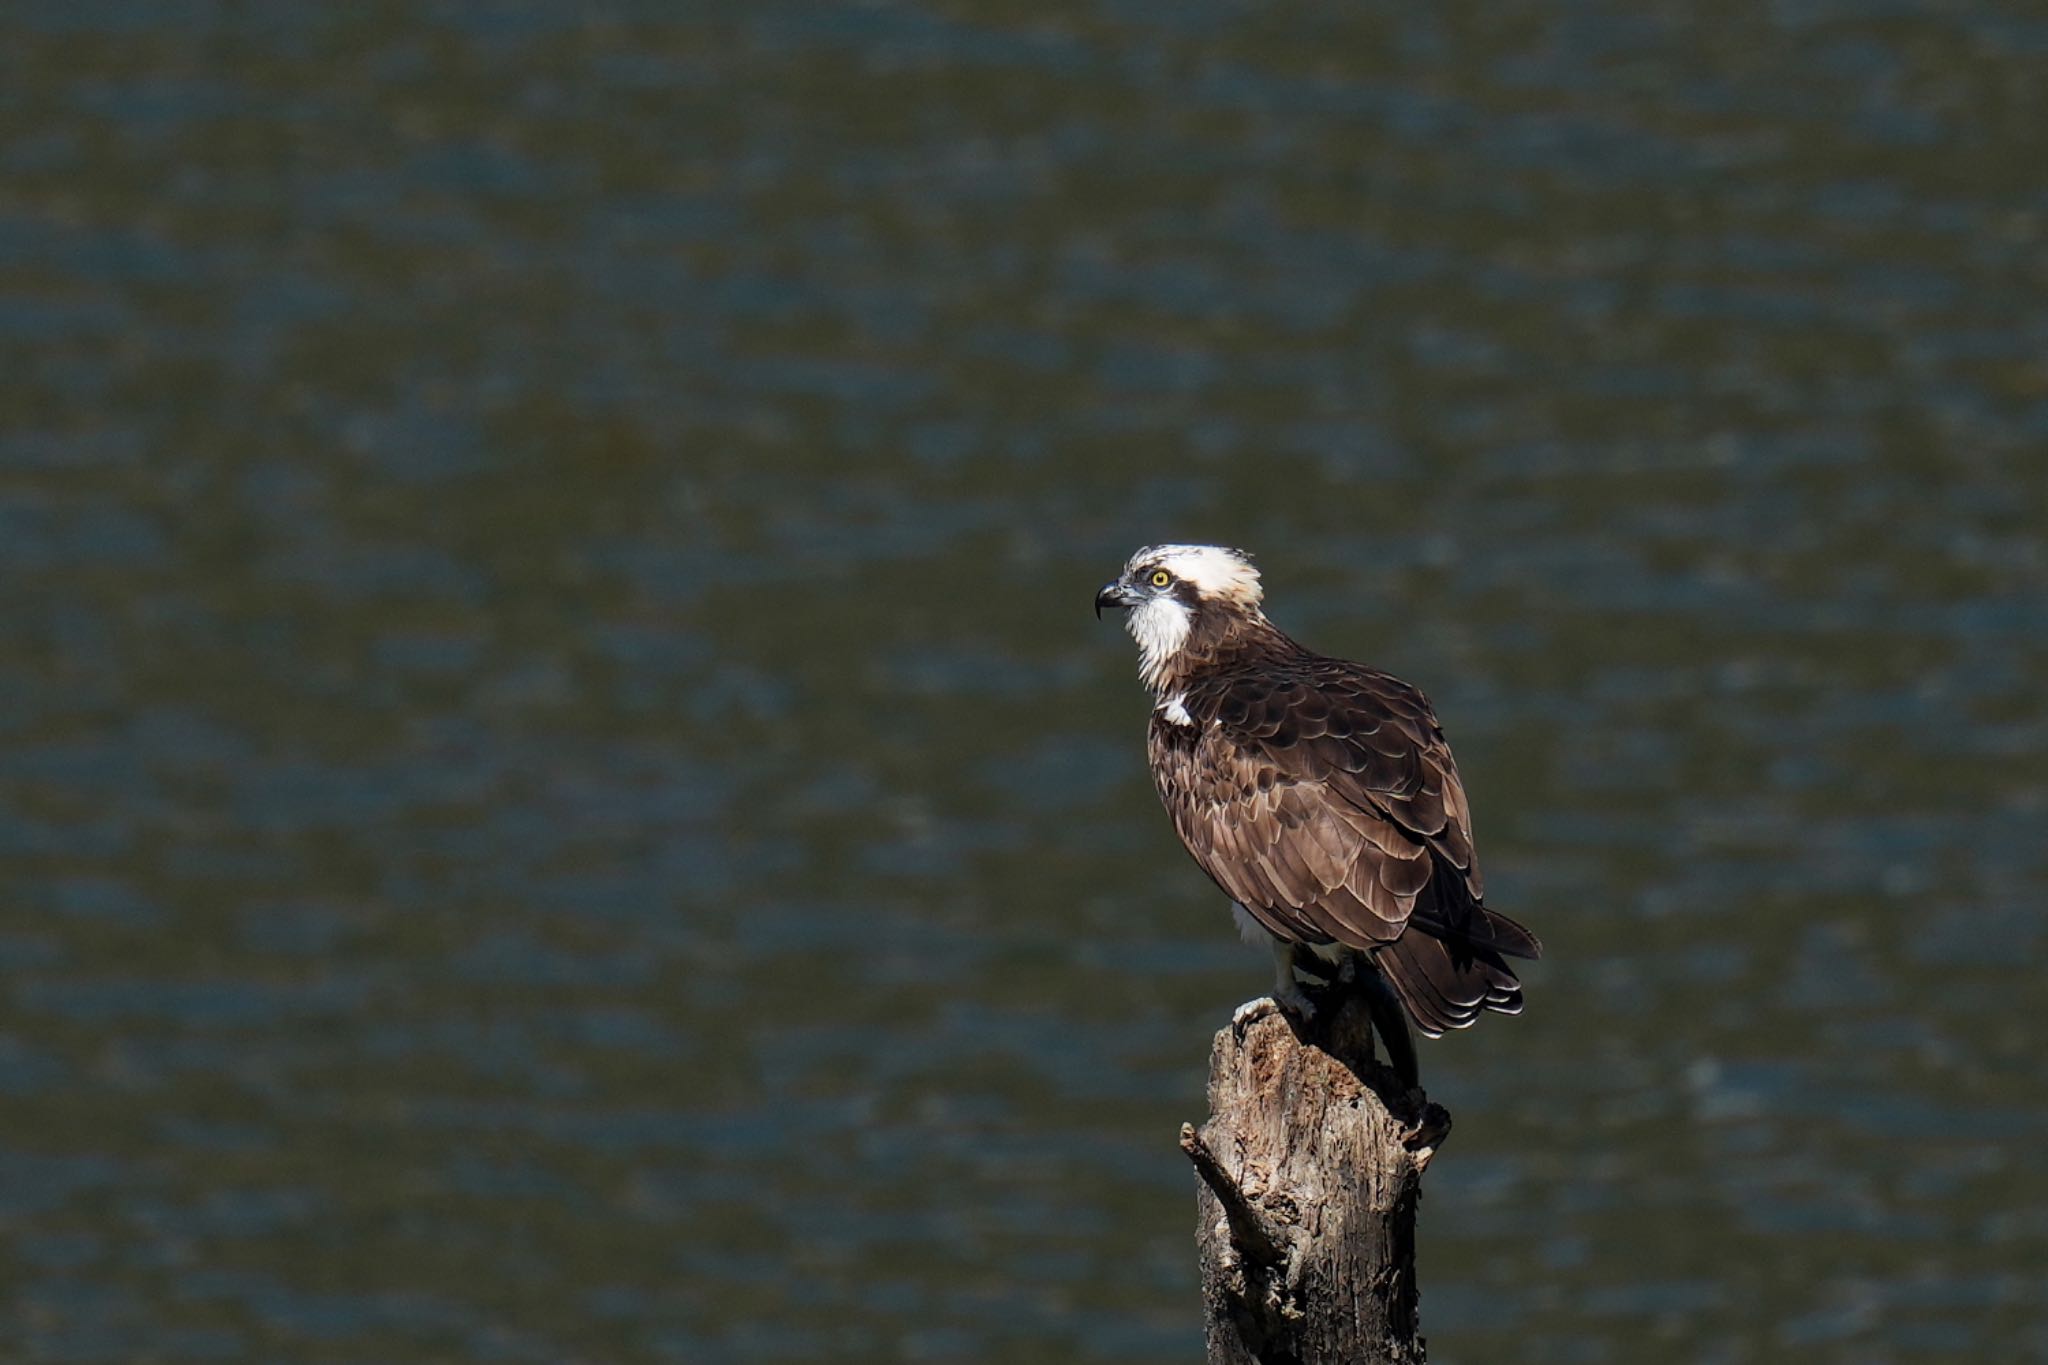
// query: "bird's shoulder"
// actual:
[[1279, 703]]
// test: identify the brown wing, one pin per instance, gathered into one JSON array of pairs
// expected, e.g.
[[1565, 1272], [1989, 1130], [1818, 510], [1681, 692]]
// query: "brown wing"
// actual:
[[1322, 797]]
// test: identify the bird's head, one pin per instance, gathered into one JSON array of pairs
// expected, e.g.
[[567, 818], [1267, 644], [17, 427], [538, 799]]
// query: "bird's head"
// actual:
[[1176, 595]]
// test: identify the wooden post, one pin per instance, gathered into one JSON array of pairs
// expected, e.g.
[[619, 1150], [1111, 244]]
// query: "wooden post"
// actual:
[[1310, 1168]]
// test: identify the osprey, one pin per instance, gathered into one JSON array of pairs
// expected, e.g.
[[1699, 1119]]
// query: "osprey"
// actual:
[[1321, 796]]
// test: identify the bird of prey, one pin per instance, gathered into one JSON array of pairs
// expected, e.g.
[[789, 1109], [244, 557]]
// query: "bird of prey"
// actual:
[[1321, 796]]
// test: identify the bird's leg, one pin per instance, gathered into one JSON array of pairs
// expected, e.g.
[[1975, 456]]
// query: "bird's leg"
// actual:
[[1325, 971], [1288, 995], [1287, 990]]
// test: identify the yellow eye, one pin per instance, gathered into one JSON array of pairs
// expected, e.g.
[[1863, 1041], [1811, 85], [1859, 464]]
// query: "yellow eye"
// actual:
[[1160, 578]]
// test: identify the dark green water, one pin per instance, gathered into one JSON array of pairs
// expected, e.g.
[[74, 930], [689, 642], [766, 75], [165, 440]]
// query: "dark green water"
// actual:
[[561, 798]]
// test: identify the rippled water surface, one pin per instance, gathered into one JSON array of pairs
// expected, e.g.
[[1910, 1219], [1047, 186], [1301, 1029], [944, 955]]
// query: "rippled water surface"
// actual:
[[561, 799]]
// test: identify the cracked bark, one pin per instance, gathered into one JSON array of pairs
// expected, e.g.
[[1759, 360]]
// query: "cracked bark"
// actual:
[[1309, 1169]]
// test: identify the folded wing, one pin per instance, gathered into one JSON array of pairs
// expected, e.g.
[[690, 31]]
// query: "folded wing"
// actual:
[[1323, 798]]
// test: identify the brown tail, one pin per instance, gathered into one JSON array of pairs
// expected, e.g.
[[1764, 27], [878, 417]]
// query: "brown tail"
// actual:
[[1448, 982]]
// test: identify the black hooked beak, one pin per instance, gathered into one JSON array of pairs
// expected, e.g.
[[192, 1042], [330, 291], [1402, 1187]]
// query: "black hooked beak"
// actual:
[[1117, 595]]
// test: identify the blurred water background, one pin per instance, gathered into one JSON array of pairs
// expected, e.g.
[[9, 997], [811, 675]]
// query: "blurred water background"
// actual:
[[561, 799]]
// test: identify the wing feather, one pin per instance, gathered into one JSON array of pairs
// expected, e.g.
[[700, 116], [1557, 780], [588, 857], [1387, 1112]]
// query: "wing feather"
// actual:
[[1322, 796]]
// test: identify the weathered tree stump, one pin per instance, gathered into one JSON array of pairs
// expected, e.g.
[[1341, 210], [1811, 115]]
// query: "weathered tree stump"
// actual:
[[1310, 1169]]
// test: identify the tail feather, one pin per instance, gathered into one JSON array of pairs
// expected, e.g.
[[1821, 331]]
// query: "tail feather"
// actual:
[[1481, 926], [1433, 1015], [1447, 983], [1507, 936]]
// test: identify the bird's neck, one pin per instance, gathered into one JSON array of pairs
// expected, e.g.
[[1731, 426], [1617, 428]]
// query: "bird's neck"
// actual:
[[1213, 643]]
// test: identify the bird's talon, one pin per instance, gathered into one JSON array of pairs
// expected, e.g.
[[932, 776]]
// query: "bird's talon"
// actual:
[[1249, 1013]]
